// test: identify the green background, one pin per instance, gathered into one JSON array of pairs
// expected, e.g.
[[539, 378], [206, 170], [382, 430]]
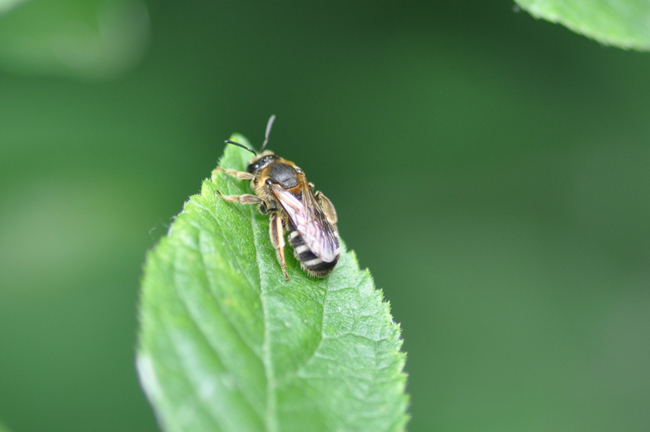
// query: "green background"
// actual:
[[491, 170]]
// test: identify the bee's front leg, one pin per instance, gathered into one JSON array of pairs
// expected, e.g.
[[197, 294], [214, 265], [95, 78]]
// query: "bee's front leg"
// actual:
[[276, 231], [242, 199], [234, 173]]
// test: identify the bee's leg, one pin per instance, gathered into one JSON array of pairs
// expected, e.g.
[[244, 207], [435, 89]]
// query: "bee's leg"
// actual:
[[237, 174], [276, 231], [327, 206], [267, 207], [242, 199], [262, 208]]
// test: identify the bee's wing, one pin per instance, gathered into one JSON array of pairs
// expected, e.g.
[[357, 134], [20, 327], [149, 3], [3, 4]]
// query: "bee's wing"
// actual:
[[310, 222]]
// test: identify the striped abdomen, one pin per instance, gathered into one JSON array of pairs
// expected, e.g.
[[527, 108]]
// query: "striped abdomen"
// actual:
[[309, 262]]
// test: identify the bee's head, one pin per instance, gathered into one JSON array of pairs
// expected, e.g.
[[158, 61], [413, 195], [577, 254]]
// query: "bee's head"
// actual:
[[263, 159]]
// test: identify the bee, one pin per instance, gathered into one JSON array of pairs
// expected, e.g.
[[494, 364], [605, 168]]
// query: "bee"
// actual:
[[283, 192]]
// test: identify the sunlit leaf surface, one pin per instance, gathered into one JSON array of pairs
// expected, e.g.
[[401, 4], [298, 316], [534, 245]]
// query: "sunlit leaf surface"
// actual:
[[227, 344], [621, 23]]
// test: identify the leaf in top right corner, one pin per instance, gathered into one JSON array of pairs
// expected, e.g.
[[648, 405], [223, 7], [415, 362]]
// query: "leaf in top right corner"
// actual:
[[621, 23]]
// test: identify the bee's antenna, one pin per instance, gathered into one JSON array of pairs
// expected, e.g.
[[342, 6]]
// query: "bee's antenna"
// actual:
[[242, 146], [268, 130]]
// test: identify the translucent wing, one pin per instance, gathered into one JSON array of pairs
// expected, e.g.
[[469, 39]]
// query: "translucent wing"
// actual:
[[310, 222]]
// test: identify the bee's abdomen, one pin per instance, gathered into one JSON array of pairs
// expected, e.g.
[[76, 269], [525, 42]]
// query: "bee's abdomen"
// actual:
[[309, 262]]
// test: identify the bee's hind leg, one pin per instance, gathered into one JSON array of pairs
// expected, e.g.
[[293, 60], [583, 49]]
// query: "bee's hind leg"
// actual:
[[276, 232], [327, 206]]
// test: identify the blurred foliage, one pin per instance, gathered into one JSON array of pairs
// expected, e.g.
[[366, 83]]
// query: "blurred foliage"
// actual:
[[621, 23], [7, 5], [227, 344], [489, 168], [90, 39]]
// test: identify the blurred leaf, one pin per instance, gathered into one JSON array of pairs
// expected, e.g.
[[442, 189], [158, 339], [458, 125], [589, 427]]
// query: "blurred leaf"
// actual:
[[7, 5], [92, 39], [226, 344], [621, 23]]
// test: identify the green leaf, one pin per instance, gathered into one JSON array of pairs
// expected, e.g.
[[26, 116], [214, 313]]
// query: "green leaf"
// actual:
[[226, 344], [621, 23]]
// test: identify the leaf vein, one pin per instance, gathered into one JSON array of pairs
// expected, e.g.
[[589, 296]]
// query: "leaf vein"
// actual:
[[206, 340], [322, 336], [237, 331], [186, 371], [266, 350], [230, 245]]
